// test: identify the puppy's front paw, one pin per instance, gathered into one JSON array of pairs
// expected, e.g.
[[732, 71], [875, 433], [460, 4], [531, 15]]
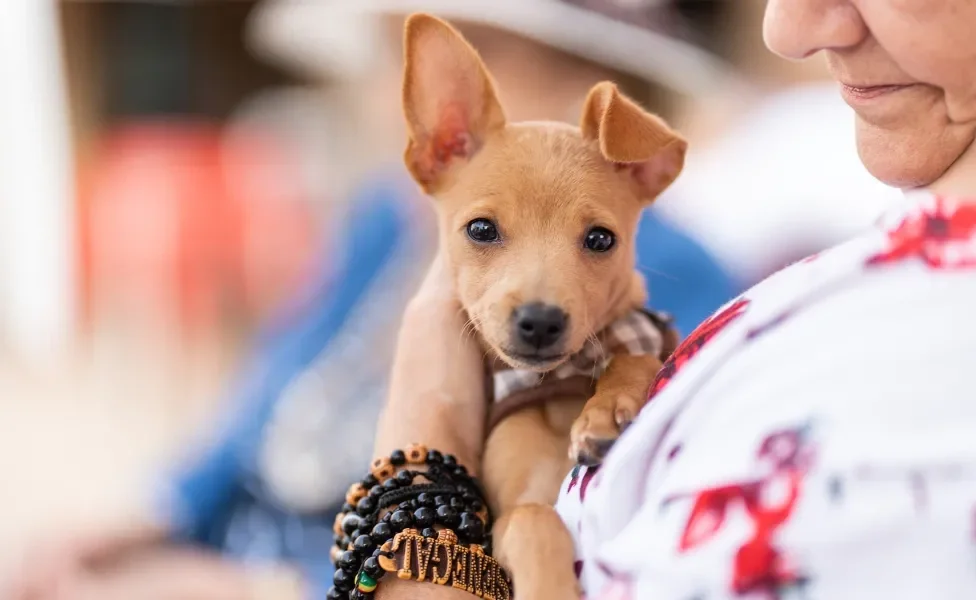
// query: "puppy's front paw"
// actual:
[[599, 425]]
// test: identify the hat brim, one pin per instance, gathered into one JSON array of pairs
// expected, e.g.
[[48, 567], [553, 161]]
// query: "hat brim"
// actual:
[[337, 37]]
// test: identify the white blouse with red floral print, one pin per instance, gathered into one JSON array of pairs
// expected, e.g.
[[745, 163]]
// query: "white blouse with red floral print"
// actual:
[[816, 438]]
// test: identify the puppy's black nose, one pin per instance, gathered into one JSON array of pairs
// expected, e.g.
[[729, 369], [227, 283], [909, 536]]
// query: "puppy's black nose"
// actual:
[[539, 325]]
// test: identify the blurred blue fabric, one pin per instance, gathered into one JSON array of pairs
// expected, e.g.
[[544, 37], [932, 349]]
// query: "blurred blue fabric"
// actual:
[[683, 279], [219, 499]]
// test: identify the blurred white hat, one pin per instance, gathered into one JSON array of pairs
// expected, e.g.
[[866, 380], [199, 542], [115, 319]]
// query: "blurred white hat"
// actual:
[[341, 37]]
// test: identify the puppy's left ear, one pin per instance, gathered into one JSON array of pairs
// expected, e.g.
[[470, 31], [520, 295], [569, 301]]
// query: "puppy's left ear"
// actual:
[[636, 141], [449, 100]]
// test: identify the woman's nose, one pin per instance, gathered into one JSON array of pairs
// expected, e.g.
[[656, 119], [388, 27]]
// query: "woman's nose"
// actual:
[[796, 29]]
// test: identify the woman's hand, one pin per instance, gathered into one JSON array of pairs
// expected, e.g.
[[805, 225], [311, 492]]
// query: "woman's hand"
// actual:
[[437, 389]]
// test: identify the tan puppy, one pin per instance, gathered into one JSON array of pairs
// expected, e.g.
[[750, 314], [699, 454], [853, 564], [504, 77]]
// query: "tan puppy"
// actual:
[[537, 222]]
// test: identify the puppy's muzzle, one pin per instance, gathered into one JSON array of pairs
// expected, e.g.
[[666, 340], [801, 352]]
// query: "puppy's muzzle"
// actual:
[[538, 330]]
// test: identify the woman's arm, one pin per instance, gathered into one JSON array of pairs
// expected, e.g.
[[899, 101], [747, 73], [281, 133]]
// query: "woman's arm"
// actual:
[[437, 397], [437, 389]]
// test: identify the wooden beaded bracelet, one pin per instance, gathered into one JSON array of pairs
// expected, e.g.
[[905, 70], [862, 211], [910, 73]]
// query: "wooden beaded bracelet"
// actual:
[[449, 500]]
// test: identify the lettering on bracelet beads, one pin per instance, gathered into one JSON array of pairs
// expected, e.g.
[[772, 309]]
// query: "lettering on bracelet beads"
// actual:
[[487, 579], [447, 541], [386, 559], [460, 570], [443, 561], [502, 590], [425, 546], [476, 564], [406, 538]]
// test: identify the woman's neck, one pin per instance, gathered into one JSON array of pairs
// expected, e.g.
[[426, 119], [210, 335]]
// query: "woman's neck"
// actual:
[[960, 179]]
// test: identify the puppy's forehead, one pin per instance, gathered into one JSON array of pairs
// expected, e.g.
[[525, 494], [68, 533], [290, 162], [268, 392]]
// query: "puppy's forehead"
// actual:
[[547, 163]]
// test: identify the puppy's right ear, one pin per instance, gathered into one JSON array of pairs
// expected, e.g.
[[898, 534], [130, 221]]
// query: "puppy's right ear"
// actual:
[[448, 99]]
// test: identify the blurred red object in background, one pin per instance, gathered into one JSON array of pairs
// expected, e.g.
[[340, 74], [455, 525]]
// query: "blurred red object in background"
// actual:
[[182, 224]]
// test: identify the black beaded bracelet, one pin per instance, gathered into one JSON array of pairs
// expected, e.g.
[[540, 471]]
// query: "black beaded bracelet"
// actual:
[[449, 498]]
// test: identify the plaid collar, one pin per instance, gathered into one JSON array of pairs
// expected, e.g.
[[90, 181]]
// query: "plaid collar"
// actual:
[[635, 333]]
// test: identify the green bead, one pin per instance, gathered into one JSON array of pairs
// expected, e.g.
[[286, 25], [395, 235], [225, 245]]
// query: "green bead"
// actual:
[[365, 583]]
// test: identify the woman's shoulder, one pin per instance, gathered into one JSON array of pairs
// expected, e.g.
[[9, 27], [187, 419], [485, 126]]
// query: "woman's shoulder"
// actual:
[[904, 286], [922, 238], [896, 297]]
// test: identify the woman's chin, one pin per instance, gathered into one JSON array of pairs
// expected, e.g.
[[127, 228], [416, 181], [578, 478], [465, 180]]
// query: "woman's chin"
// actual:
[[910, 157]]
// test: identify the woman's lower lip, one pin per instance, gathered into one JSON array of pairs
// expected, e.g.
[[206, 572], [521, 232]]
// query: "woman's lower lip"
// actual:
[[863, 94]]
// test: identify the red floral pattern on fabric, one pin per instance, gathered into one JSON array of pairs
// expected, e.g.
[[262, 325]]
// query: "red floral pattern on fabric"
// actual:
[[943, 236], [581, 476], [695, 342], [587, 478], [759, 566]]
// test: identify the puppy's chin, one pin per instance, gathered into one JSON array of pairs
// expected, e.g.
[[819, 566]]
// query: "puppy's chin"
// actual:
[[532, 362]]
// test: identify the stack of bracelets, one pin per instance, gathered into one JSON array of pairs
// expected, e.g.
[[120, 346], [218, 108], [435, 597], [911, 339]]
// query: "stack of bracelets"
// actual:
[[434, 529]]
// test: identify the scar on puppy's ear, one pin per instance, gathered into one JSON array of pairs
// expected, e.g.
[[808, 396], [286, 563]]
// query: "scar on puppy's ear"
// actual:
[[636, 141], [449, 100]]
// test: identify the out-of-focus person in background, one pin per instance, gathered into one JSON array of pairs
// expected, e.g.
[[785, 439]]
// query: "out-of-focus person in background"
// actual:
[[263, 486], [546, 51]]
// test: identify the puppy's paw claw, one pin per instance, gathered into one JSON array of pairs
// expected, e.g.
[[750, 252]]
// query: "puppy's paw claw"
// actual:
[[623, 416], [598, 427]]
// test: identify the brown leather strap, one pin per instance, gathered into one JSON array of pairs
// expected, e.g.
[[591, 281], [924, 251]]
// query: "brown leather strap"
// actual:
[[571, 386]]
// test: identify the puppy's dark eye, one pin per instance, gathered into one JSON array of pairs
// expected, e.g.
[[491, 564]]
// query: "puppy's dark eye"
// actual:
[[483, 231], [599, 239]]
